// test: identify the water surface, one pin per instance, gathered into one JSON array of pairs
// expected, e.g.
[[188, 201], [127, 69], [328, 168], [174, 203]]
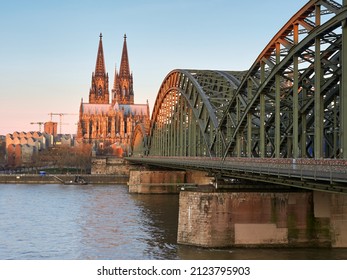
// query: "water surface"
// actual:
[[106, 222]]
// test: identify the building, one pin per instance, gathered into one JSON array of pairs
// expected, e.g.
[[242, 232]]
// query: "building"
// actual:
[[51, 128], [63, 140], [22, 146], [41, 141], [2, 151], [109, 125]]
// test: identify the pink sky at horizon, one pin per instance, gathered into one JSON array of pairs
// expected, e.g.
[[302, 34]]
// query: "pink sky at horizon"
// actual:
[[48, 49]]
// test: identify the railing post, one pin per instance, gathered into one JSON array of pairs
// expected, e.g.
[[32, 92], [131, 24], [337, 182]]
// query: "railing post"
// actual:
[[331, 174], [301, 167]]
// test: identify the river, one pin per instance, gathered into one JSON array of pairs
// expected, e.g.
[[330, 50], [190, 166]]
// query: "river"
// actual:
[[43, 222]]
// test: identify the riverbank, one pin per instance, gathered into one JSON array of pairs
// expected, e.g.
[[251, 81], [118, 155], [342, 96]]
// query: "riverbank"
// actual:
[[59, 178]]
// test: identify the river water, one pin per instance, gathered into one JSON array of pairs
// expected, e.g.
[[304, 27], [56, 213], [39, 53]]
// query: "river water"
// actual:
[[39, 222]]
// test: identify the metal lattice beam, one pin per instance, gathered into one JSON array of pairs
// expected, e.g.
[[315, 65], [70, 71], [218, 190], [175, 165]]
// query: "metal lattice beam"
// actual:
[[188, 110]]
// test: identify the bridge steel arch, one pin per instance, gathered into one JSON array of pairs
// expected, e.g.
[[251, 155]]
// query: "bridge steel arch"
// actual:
[[139, 140], [291, 103], [188, 110]]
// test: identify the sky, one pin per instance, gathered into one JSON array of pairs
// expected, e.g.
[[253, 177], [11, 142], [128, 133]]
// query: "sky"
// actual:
[[48, 48]]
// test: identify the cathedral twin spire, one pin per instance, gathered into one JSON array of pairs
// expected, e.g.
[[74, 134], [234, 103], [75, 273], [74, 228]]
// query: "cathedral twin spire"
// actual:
[[124, 65], [122, 91], [100, 62]]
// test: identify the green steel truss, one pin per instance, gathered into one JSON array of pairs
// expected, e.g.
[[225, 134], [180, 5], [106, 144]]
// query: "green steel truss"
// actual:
[[188, 110], [291, 103], [139, 140]]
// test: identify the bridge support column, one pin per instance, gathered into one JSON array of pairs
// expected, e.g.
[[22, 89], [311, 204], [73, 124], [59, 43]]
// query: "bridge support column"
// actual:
[[262, 115], [296, 96], [318, 98], [338, 220], [278, 105], [155, 182], [165, 181], [252, 219], [249, 120], [343, 90]]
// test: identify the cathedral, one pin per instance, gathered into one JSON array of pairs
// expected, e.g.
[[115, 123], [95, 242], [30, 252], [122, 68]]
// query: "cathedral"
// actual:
[[109, 125]]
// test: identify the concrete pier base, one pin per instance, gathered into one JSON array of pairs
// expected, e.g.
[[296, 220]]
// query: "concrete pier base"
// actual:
[[155, 182], [168, 181], [269, 219]]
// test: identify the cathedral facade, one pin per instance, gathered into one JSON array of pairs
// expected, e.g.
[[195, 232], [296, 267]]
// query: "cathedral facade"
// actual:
[[109, 124]]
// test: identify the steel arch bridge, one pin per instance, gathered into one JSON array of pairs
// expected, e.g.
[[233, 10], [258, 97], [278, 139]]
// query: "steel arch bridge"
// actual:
[[291, 103]]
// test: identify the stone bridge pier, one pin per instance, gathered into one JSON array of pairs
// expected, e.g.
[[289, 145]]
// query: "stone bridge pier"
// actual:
[[165, 181], [266, 216], [269, 219]]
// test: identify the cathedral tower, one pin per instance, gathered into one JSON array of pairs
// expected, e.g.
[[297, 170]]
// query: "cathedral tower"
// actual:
[[109, 127], [122, 91], [99, 93]]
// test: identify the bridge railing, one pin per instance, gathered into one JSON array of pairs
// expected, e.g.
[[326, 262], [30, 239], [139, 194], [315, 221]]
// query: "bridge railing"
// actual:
[[331, 170], [325, 169]]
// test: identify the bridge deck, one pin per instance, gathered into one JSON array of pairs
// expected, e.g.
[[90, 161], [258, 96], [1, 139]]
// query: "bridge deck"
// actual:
[[326, 175]]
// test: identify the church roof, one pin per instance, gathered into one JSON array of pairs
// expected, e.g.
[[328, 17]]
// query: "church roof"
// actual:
[[95, 109], [134, 109], [99, 109]]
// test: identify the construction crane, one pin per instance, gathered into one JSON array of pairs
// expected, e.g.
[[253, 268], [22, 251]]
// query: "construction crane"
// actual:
[[39, 123], [60, 118]]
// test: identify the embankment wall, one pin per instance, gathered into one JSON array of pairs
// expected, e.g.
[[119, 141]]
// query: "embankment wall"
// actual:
[[48, 179]]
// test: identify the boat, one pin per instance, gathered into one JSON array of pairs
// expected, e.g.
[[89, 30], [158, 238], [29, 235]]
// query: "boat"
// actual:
[[77, 181]]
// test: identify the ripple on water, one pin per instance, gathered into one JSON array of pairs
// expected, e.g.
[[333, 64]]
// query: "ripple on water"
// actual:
[[106, 222]]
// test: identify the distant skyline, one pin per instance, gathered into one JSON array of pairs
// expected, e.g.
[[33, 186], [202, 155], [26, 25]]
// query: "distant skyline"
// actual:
[[48, 48]]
